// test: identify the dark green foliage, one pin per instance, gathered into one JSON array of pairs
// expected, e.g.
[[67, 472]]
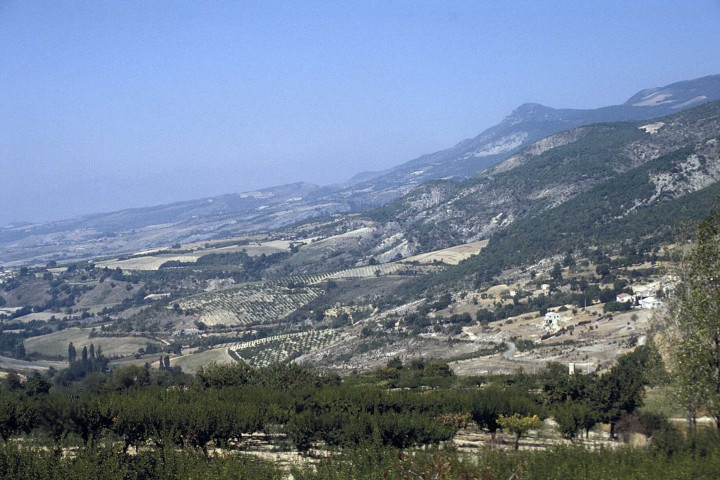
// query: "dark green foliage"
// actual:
[[617, 306], [15, 416], [72, 353], [170, 422], [36, 385], [488, 404], [17, 463], [484, 316], [573, 418], [695, 458], [620, 391]]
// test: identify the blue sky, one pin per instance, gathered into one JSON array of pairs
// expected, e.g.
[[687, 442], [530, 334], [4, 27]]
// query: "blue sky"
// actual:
[[108, 105]]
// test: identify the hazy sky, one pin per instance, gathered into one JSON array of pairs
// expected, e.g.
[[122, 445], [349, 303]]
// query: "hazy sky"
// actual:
[[108, 105]]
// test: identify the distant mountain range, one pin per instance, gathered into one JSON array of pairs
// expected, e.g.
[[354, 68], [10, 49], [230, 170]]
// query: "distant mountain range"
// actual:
[[234, 214]]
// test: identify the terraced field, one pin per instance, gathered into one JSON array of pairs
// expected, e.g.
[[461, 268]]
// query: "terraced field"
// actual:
[[261, 303], [280, 348], [153, 260], [192, 363], [271, 301], [358, 272]]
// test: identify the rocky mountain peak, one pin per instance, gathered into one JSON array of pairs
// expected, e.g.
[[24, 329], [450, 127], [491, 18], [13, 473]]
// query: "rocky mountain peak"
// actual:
[[529, 112]]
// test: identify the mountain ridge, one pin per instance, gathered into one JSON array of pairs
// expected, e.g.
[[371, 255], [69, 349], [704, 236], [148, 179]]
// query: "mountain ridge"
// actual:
[[275, 207], [683, 149]]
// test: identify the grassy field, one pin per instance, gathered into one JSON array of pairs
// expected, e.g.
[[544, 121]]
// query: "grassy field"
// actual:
[[56, 344], [191, 363], [42, 316]]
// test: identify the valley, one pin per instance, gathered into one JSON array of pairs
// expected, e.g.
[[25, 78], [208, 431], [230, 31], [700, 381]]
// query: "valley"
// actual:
[[466, 272]]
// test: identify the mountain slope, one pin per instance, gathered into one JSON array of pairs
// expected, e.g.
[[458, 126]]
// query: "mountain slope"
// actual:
[[596, 177]]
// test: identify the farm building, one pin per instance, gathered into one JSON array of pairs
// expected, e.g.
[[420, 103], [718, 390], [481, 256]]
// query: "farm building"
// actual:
[[650, 303], [624, 298], [552, 319], [647, 291]]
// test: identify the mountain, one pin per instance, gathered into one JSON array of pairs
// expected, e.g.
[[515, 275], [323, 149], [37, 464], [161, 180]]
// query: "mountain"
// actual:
[[531, 122], [599, 184], [263, 210]]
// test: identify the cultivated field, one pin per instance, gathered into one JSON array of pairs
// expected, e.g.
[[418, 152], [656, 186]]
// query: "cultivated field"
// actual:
[[147, 263], [451, 256], [153, 260], [358, 272], [248, 304], [41, 316], [280, 348]]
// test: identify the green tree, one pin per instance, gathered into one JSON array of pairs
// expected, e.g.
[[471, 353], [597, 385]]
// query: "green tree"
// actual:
[[72, 353], [693, 336], [519, 425], [620, 391], [556, 272], [15, 416], [572, 418], [37, 385]]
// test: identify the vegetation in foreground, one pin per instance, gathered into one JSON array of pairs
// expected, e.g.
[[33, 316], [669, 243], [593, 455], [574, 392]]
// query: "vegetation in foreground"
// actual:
[[395, 422], [697, 457], [136, 422]]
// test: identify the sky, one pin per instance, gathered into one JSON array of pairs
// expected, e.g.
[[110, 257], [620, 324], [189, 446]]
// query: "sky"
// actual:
[[106, 105]]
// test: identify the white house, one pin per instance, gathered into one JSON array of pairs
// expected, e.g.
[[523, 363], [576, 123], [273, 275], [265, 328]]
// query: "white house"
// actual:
[[643, 292], [552, 319], [650, 303], [624, 298]]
